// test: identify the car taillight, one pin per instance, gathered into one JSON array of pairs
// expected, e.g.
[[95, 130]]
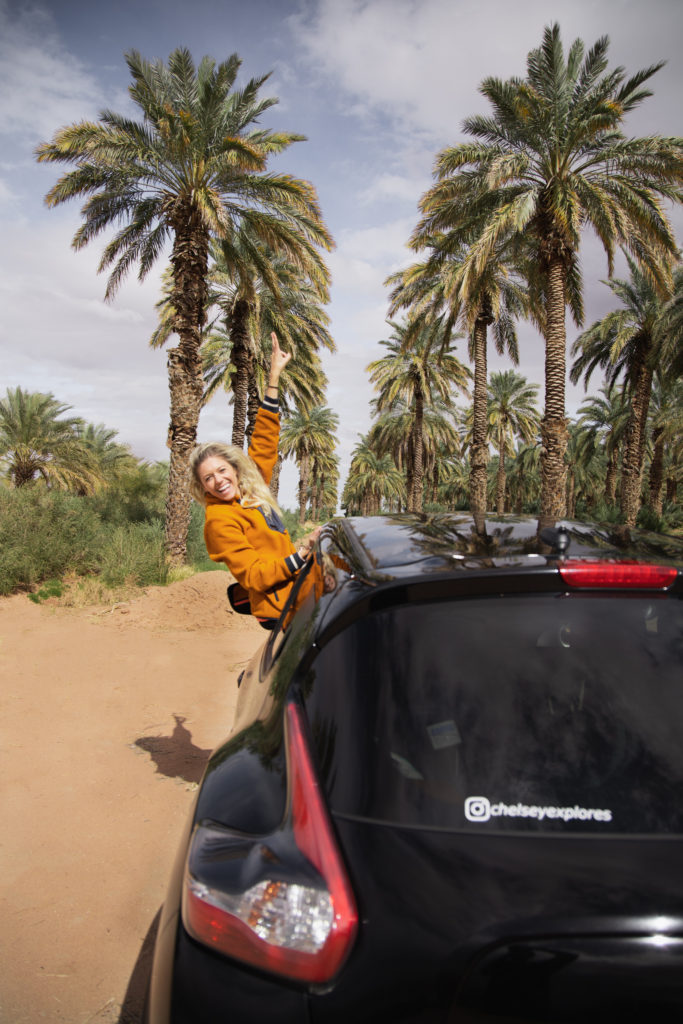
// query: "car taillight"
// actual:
[[617, 574], [295, 914]]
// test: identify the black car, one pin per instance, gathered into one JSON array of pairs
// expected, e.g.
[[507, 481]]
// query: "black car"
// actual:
[[453, 790]]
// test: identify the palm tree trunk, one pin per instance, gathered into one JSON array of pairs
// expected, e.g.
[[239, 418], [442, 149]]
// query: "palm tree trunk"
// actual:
[[253, 402], [242, 358], [571, 494], [304, 474], [519, 501], [657, 470], [275, 478], [408, 459], [189, 260], [435, 483], [672, 489], [254, 399], [418, 455], [315, 491], [634, 451], [554, 433], [611, 477], [479, 453], [500, 474]]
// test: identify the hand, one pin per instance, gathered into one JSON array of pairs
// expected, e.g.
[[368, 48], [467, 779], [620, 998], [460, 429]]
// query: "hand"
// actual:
[[278, 361], [306, 544]]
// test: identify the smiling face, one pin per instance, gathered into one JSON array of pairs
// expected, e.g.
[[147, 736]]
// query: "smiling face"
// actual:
[[218, 477]]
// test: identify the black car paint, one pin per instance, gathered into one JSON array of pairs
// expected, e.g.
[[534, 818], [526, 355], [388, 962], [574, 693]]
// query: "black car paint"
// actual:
[[447, 918]]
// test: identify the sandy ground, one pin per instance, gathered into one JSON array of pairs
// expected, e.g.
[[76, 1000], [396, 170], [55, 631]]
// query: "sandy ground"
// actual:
[[107, 718]]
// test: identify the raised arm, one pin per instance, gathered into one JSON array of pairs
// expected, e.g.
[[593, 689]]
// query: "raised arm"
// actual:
[[264, 440], [278, 361]]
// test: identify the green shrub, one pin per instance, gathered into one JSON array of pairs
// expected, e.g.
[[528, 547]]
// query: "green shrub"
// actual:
[[197, 555], [134, 553], [45, 534], [599, 512], [295, 529], [669, 521], [137, 497], [53, 588]]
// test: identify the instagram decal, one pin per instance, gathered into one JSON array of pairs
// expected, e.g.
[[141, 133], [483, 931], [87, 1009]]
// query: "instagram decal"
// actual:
[[480, 809]]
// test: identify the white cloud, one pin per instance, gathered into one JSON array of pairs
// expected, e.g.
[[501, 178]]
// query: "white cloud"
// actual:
[[420, 63], [57, 334], [391, 187], [7, 194], [354, 275], [389, 81], [376, 244], [42, 84], [410, 61], [411, 70]]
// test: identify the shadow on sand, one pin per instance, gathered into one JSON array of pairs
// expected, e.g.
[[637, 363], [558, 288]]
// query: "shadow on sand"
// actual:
[[133, 1003], [176, 755]]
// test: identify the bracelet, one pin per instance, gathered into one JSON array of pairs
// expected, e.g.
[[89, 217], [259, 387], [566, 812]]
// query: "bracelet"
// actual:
[[272, 387]]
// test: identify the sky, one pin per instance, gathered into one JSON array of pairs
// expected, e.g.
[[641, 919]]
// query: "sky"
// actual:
[[378, 87]]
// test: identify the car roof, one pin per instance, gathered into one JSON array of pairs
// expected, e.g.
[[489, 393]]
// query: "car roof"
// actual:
[[392, 547]]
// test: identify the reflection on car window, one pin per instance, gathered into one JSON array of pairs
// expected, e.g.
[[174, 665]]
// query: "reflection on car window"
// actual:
[[510, 713]]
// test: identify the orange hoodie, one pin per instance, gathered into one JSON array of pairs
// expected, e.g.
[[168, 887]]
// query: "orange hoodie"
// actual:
[[257, 550]]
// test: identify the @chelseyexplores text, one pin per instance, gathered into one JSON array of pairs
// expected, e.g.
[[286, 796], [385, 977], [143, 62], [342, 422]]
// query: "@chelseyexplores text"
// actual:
[[480, 809]]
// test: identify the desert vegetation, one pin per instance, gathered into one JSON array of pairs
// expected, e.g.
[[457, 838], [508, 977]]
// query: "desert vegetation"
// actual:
[[497, 243]]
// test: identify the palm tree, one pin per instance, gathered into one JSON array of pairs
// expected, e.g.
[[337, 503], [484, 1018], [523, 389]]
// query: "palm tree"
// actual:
[[585, 469], [372, 480], [393, 433], [191, 169], [114, 460], [512, 413], [524, 478], [37, 442], [550, 160], [454, 483], [323, 485], [628, 342], [285, 302], [418, 369], [280, 286], [603, 419], [672, 327], [307, 435], [666, 417], [442, 444], [302, 387], [491, 297]]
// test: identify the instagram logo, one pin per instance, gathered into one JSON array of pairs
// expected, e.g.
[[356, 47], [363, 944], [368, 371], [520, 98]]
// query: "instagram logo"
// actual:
[[477, 808]]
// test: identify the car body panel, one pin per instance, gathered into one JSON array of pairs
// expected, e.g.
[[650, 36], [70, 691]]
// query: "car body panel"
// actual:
[[465, 895], [450, 917]]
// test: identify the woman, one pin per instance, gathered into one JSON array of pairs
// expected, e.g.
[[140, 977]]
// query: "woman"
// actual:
[[243, 527]]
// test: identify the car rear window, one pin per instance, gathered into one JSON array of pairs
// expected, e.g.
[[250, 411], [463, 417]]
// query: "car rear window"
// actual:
[[543, 713]]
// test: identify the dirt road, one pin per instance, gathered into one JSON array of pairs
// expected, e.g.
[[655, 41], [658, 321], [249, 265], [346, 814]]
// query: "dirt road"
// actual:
[[107, 717]]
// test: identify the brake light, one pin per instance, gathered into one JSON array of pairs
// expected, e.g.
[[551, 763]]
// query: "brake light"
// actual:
[[296, 928], [617, 575]]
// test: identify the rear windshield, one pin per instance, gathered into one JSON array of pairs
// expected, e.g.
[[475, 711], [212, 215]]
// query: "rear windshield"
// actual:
[[516, 713]]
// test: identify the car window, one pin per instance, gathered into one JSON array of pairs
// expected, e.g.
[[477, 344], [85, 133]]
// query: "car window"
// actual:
[[519, 712]]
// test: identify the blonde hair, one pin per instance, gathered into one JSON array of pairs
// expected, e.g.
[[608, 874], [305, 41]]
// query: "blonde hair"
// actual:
[[254, 491]]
